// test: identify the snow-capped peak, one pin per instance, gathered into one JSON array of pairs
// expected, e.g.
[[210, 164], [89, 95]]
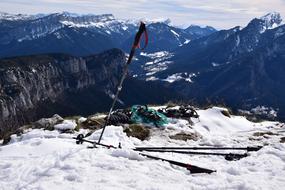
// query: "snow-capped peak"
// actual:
[[68, 14], [86, 17], [8, 16], [272, 16], [271, 20], [157, 20]]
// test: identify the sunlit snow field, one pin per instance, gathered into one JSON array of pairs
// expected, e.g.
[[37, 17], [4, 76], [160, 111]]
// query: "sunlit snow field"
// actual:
[[41, 159]]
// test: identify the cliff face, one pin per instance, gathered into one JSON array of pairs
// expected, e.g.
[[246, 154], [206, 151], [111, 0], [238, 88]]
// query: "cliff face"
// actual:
[[27, 82]]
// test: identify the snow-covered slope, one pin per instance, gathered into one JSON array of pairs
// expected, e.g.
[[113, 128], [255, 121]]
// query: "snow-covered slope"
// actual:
[[42, 159]]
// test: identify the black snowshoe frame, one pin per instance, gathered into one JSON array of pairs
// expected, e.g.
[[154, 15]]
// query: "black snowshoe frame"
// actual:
[[184, 112]]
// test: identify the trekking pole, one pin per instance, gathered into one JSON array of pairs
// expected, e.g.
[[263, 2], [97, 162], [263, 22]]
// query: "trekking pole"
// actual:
[[228, 156], [257, 148], [142, 29], [192, 168]]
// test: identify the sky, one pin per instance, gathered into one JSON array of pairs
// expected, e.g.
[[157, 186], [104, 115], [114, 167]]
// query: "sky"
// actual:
[[221, 14]]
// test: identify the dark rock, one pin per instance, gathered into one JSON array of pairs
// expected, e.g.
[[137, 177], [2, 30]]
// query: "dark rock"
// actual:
[[138, 131], [93, 122], [263, 134], [49, 123], [185, 136], [226, 113]]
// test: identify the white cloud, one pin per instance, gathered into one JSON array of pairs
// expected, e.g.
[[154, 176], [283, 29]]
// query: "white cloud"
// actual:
[[218, 13]]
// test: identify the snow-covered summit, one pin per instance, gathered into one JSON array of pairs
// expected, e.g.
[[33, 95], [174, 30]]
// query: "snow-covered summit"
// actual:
[[200, 30], [271, 20], [43, 159], [69, 14], [273, 17], [157, 20], [8, 16], [202, 27]]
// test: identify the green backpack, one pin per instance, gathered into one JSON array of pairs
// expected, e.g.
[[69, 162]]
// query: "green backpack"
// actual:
[[148, 116]]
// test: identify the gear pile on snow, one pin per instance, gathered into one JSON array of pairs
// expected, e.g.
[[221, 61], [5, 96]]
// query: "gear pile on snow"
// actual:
[[148, 116], [139, 114], [184, 112], [120, 116]]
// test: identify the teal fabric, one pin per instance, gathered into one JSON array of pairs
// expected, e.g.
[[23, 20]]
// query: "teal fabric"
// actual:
[[140, 118]]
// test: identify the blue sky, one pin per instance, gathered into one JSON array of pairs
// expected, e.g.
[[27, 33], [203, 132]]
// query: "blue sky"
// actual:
[[217, 13]]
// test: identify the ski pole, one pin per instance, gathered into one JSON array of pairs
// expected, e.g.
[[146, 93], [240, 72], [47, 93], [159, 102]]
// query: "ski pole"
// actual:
[[142, 29]]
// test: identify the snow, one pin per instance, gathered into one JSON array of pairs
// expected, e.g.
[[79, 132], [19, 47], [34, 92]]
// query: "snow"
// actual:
[[82, 119], [159, 54], [173, 78], [152, 78], [159, 62], [83, 25], [14, 17], [149, 63], [175, 33], [180, 76], [155, 20], [263, 110], [187, 41], [215, 64], [271, 21], [124, 27], [37, 33], [41, 159], [237, 41], [66, 125], [106, 23], [57, 34]]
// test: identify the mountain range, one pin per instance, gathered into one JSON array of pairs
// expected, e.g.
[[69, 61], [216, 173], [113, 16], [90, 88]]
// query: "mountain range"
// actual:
[[243, 67], [82, 35]]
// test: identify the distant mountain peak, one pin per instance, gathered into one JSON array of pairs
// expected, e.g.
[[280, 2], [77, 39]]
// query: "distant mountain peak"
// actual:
[[272, 16], [266, 22], [272, 20], [157, 20], [69, 14], [198, 26], [101, 17], [8, 16], [199, 30]]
